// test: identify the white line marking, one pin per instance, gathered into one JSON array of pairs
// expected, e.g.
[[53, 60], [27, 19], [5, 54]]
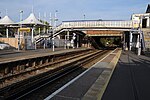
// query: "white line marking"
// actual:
[[73, 80], [67, 97]]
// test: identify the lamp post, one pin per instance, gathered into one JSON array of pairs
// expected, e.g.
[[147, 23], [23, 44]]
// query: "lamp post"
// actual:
[[84, 16], [45, 22], [21, 13], [0, 15], [39, 20], [54, 21], [6, 25]]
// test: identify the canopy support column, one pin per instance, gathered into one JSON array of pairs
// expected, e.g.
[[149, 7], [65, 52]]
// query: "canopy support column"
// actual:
[[39, 30], [139, 45], [131, 36], [44, 30], [77, 41], [18, 40], [7, 32], [47, 31], [68, 39], [44, 43], [53, 42], [32, 30]]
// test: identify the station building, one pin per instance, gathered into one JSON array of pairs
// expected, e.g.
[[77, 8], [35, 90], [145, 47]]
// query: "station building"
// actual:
[[143, 19], [144, 24]]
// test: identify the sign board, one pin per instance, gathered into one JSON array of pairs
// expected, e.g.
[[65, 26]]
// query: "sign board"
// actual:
[[24, 29]]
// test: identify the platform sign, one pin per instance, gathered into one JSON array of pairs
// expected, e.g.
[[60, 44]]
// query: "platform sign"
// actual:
[[24, 29]]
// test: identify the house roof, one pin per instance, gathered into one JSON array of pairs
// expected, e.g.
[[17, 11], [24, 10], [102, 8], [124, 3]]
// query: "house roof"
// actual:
[[6, 21], [148, 9]]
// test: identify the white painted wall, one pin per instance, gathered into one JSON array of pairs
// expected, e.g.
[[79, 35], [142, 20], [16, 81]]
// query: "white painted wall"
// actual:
[[136, 18]]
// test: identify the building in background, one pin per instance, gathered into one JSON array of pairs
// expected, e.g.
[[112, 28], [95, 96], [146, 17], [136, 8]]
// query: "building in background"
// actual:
[[142, 22], [142, 19]]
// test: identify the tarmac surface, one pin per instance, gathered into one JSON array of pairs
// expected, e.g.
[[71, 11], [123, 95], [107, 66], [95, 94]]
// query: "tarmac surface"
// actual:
[[130, 80]]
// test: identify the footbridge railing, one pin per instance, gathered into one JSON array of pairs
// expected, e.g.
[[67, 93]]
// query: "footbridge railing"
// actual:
[[89, 24], [95, 24]]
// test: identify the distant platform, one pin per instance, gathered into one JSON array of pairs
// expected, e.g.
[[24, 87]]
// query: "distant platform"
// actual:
[[11, 56]]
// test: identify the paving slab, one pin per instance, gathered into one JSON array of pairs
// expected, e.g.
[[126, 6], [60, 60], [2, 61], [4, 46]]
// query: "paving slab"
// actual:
[[130, 80]]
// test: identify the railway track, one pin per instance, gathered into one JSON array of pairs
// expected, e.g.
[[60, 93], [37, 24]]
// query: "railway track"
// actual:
[[48, 73], [39, 68]]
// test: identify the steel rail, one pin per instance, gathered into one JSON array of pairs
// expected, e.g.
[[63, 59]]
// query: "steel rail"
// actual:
[[50, 74]]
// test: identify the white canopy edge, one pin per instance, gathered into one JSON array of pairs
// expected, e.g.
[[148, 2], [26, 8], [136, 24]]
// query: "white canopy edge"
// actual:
[[31, 20], [6, 21]]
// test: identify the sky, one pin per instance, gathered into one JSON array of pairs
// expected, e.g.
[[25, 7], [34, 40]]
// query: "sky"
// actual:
[[74, 9]]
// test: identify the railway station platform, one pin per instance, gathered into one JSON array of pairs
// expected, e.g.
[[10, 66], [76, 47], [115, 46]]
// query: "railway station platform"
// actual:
[[130, 80], [10, 56], [14, 62], [90, 84]]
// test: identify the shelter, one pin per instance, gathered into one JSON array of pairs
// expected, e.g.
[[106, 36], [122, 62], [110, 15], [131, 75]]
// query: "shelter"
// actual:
[[32, 22], [6, 22]]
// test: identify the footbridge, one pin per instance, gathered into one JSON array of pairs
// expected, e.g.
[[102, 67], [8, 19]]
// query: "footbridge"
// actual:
[[94, 27], [125, 29], [97, 27]]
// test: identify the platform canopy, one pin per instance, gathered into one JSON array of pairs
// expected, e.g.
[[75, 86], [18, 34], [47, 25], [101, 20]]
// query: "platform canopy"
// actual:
[[6, 21], [31, 20]]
